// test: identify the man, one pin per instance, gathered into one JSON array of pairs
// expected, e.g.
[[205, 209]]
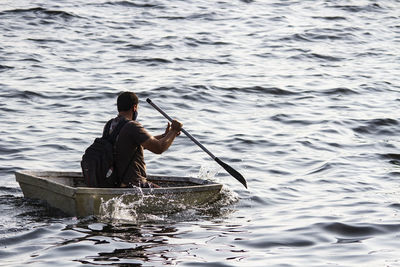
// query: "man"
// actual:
[[133, 138]]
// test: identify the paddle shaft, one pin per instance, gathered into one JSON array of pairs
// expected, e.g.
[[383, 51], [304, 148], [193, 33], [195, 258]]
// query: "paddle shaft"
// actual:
[[183, 130], [228, 168]]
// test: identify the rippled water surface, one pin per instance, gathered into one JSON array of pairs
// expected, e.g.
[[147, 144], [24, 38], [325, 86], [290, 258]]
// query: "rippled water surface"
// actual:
[[301, 97]]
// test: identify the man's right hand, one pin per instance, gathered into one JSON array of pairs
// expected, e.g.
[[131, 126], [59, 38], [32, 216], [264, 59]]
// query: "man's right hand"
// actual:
[[176, 126], [159, 145]]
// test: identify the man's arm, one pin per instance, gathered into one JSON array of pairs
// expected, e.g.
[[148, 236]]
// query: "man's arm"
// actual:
[[158, 137], [161, 143]]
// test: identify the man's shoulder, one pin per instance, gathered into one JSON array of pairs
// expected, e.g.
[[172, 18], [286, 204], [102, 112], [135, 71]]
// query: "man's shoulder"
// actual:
[[134, 124], [136, 130], [134, 127]]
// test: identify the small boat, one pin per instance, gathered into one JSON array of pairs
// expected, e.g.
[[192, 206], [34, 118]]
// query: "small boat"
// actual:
[[67, 192]]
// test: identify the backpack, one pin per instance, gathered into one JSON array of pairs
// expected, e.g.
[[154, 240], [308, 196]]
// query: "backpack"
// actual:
[[97, 163]]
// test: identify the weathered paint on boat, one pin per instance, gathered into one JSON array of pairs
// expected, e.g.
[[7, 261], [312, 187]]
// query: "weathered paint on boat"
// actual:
[[67, 192]]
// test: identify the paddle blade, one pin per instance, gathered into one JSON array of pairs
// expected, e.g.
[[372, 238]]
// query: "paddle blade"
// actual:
[[232, 171]]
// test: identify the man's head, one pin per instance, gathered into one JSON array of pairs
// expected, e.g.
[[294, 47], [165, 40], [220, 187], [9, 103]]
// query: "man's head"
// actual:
[[126, 101]]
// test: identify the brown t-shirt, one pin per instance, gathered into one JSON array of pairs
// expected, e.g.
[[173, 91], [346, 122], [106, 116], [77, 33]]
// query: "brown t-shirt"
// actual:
[[129, 141]]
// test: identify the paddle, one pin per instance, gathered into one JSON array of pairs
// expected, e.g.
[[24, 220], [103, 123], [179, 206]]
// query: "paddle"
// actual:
[[228, 168]]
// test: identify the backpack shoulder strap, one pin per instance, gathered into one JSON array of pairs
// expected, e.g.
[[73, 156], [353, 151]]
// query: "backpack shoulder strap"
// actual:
[[106, 129], [113, 136]]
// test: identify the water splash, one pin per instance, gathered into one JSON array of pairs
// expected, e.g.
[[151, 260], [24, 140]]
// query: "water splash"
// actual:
[[208, 171], [117, 209], [136, 206], [144, 206]]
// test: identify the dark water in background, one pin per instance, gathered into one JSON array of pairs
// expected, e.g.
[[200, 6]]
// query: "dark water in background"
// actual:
[[300, 96]]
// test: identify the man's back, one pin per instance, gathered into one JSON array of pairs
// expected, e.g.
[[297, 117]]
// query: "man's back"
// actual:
[[128, 146]]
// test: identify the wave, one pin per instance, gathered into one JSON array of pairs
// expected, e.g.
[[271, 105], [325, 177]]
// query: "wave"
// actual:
[[361, 230], [41, 41], [313, 37], [391, 156], [210, 16], [190, 41], [5, 68], [385, 126], [78, 94], [323, 168], [258, 90], [26, 94], [395, 206], [7, 109], [149, 61], [7, 151], [394, 159], [146, 46], [34, 234], [135, 4], [278, 242], [7, 192], [339, 91], [30, 59], [330, 18], [41, 12], [317, 56], [375, 7], [203, 60], [57, 147], [322, 34], [288, 119]]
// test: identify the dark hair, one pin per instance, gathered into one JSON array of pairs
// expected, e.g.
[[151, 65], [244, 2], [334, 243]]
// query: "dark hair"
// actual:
[[126, 101]]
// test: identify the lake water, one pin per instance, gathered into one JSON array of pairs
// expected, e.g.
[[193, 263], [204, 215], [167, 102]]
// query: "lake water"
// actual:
[[301, 97]]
